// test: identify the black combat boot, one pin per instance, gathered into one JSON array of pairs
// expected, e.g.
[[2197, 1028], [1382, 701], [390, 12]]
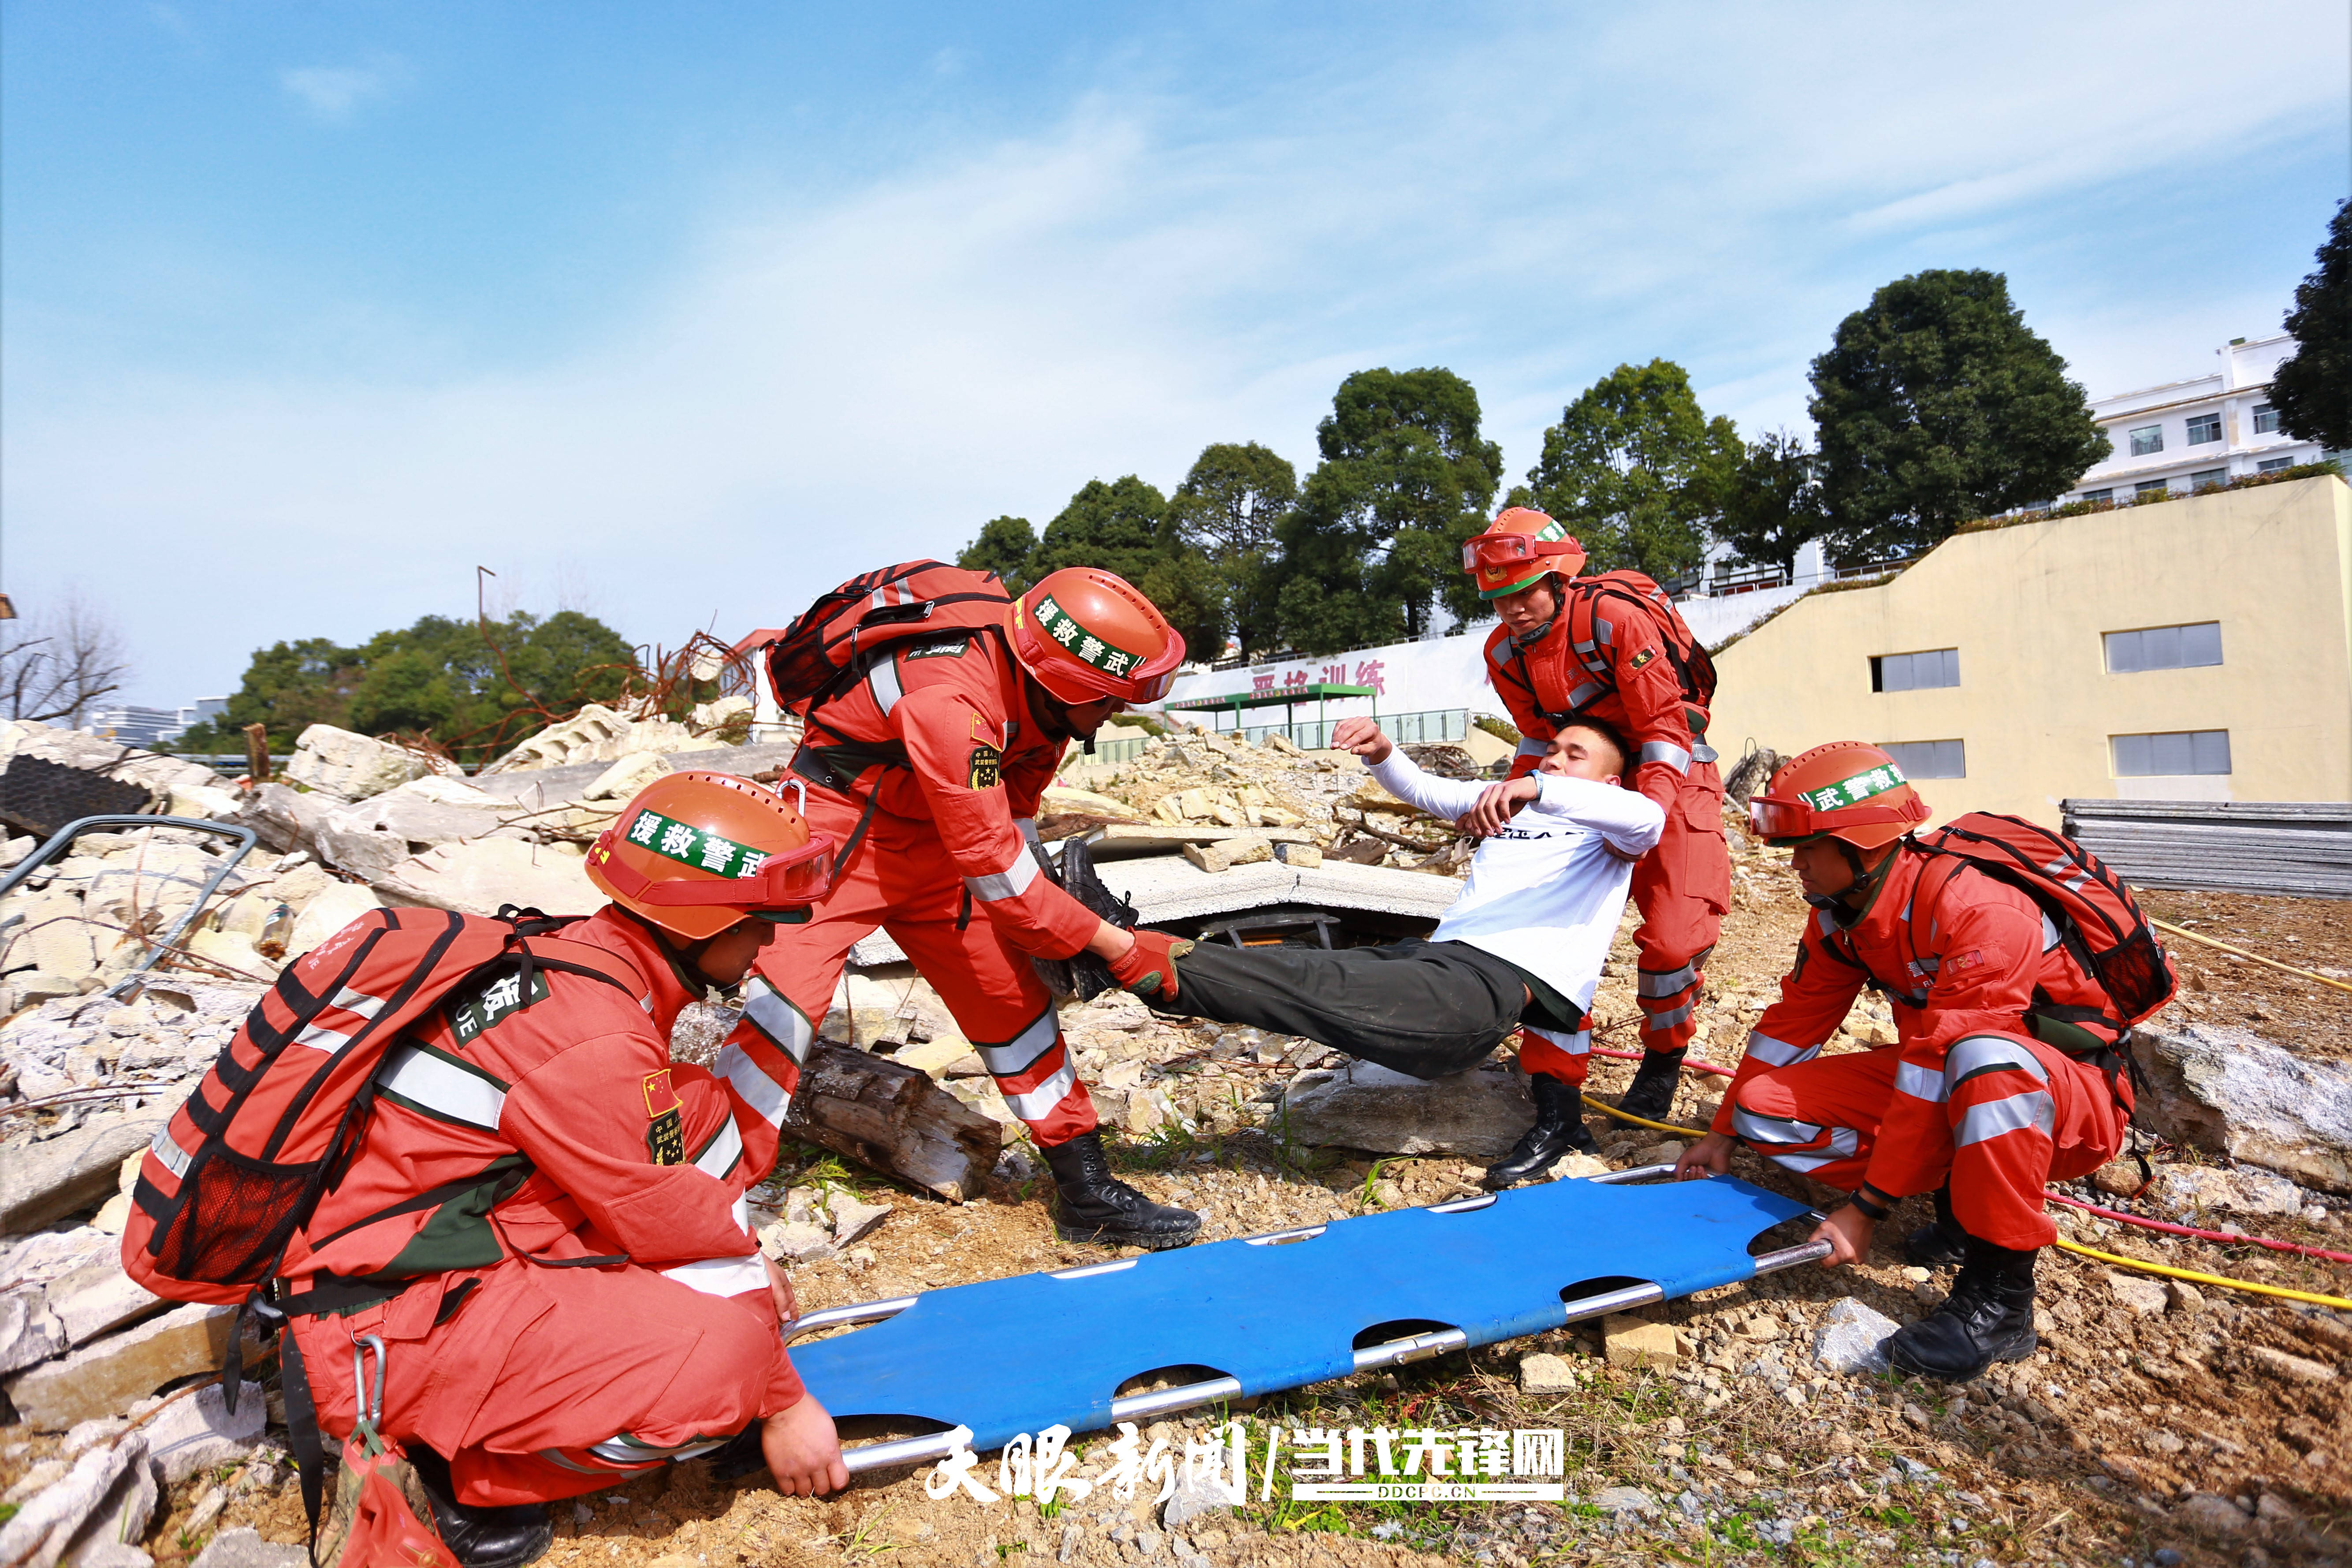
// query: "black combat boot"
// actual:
[[1652, 1094], [1092, 1205], [1988, 1317], [479, 1537], [1559, 1129], [1942, 1245], [1082, 975]]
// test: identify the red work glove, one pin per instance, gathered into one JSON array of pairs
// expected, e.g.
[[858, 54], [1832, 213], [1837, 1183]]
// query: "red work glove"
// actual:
[[1149, 966]]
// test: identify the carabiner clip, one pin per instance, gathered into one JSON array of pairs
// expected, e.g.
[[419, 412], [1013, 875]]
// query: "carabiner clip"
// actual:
[[371, 1409]]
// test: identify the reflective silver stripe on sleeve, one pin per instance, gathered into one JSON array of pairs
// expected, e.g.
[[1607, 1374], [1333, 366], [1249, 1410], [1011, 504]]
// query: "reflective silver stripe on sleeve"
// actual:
[[882, 680], [1663, 983], [1778, 1053], [1038, 1103], [441, 1088], [1577, 1044], [1918, 1082], [1009, 883], [166, 1148], [718, 1157], [1666, 1020], [1605, 632], [1530, 747], [775, 1016], [760, 1092], [1019, 1054], [1585, 693], [2033, 1109], [1666, 752], [722, 1276], [1989, 1053]]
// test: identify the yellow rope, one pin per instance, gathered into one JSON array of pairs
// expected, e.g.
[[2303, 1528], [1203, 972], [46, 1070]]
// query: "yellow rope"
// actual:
[[2241, 952], [2338, 1302]]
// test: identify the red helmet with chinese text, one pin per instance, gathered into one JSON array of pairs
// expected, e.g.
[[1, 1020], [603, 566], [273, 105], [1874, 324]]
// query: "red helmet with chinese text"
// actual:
[[696, 852], [1087, 634], [1848, 790], [1517, 549]]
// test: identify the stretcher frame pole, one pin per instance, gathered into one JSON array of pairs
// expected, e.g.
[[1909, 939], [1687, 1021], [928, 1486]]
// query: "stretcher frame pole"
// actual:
[[932, 1447]]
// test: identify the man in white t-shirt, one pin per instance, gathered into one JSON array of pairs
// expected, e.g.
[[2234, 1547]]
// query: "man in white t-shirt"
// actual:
[[1522, 948]]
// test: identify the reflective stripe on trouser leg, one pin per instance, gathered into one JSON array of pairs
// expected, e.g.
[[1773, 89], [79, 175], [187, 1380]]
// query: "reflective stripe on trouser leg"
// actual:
[[1040, 1083], [1554, 1055], [1669, 1002], [2003, 1107], [1807, 1147], [626, 1451], [761, 1060]]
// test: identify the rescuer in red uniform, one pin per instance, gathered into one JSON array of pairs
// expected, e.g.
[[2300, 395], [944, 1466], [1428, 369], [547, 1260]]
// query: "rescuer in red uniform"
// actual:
[[1974, 1102], [926, 770], [1612, 647], [546, 1222]]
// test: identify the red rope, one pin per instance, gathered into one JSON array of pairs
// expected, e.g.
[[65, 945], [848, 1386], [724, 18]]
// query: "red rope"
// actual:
[[2120, 1218], [2169, 1229]]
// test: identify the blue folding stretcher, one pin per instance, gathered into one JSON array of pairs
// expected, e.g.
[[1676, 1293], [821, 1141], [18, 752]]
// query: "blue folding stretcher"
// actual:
[[1279, 1311]]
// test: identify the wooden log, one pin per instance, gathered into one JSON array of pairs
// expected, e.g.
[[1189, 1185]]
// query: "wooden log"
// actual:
[[893, 1117]]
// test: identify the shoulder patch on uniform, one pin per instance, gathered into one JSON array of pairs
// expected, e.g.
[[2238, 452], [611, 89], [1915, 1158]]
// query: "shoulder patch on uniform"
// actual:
[[665, 1120], [1644, 657], [946, 648], [501, 998], [987, 767]]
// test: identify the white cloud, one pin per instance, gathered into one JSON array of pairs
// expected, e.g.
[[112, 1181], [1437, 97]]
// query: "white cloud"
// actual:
[[829, 387], [335, 93]]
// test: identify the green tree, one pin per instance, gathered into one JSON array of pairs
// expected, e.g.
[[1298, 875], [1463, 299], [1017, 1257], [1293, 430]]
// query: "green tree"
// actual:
[[1634, 469], [1375, 543], [1122, 527], [1007, 546], [1937, 404], [1770, 507], [1226, 510], [2313, 390], [291, 686]]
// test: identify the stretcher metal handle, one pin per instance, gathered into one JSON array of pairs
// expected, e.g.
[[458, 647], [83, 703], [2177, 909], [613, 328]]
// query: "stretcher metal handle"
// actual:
[[1139, 1408]]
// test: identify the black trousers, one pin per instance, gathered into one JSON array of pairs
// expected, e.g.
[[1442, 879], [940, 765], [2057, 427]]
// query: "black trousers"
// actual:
[[1421, 1008]]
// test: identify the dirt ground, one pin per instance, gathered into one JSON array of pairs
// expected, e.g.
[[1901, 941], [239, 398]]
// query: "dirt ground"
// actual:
[[1744, 1451]]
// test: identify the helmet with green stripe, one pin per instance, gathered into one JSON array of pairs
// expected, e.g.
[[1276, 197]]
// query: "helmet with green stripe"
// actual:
[[1087, 634], [697, 852], [1847, 790], [1519, 549]]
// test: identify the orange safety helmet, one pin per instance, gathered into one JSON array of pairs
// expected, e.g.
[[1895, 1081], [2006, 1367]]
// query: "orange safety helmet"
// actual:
[[1847, 790], [1518, 549], [697, 852], [1085, 634]]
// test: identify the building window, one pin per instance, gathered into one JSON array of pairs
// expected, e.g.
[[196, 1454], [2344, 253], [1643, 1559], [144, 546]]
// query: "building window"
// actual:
[[1929, 759], [2171, 755], [2208, 480], [2148, 440], [2095, 497], [2273, 465], [2265, 419], [2151, 490], [1915, 671], [2164, 647], [2204, 427]]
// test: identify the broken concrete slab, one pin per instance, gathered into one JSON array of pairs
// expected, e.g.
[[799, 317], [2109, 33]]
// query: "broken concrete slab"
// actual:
[[595, 734], [53, 1178], [2229, 1091], [349, 766], [475, 879], [283, 818], [329, 911], [108, 1375], [1245, 849], [94, 1502], [1478, 1114], [626, 776], [99, 1298], [197, 1432], [1123, 841], [30, 1332], [854, 1221]]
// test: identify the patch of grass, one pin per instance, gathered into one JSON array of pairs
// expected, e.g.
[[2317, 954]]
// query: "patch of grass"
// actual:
[[8, 1512]]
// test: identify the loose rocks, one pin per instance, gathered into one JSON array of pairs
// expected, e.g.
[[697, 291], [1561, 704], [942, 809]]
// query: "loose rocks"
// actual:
[[1851, 1338]]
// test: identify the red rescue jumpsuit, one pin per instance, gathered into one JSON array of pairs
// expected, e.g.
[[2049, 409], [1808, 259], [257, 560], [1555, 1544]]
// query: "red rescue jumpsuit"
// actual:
[[508, 1140], [1624, 676], [921, 771], [1967, 1089]]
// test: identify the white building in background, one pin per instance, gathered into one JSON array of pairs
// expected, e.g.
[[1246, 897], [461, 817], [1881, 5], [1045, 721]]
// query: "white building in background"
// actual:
[[2181, 436], [130, 725]]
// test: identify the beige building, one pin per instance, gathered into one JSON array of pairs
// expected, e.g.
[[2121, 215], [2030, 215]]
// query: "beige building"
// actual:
[[2196, 650]]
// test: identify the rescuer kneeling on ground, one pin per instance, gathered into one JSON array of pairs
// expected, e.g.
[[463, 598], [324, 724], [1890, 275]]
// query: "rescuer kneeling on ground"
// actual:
[[545, 1224], [1968, 1103]]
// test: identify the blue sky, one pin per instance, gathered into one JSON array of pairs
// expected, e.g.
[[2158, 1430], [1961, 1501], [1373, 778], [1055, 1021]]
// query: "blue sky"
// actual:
[[682, 313]]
